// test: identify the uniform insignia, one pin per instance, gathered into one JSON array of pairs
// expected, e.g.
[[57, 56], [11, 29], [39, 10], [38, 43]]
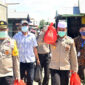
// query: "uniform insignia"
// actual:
[[54, 46], [8, 42], [2, 23], [7, 52]]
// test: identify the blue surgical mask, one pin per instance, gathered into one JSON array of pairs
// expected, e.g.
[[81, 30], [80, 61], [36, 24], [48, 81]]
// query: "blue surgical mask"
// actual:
[[82, 33], [3, 34], [24, 28], [62, 33]]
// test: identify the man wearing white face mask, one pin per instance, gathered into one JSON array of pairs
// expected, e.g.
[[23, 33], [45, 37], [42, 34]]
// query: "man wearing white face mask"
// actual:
[[27, 44], [9, 60]]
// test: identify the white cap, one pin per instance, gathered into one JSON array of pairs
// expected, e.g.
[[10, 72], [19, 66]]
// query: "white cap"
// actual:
[[62, 24], [24, 21]]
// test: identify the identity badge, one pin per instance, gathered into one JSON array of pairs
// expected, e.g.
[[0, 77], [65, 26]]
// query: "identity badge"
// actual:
[[79, 53]]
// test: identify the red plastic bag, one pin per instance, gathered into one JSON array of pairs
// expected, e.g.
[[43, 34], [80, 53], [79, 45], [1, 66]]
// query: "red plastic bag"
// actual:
[[19, 83], [74, 79], [50, 36]]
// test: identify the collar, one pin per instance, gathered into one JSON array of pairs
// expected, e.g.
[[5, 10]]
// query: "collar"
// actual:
[[26, 35], [62, 39], [83, 40]]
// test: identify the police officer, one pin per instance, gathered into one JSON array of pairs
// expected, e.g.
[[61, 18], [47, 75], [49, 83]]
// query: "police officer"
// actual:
[[44, 56], [80, 47], [64, 57], [9, 62]]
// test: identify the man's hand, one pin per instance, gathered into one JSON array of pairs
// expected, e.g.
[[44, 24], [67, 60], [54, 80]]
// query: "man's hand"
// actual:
[[17, 79], [38, 62], [67, 47], [36, 55]]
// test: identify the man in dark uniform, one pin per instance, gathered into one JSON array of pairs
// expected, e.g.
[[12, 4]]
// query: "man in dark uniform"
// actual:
[[80, 47]]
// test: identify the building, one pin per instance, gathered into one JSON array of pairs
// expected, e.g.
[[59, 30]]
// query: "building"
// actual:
[[15, 18], [3, 11], [74, 20]]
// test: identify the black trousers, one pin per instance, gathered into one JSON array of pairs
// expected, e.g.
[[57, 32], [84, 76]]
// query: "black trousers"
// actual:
[[81, 72], [29, 69], [59, 77], [8, 80], [45, 61]]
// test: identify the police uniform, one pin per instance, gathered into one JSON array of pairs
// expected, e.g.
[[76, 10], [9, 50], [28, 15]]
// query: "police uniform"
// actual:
[[64, 58], [9, 60], [80, 47], [44, 57]]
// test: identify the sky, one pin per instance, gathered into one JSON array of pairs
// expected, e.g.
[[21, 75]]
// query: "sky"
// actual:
[[42, 9]]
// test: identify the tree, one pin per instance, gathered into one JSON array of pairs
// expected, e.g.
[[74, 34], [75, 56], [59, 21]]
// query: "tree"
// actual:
[[42, 23], [47, 23]]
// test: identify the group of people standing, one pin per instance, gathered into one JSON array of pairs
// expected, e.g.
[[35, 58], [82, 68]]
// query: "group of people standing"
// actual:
[[18, 55]]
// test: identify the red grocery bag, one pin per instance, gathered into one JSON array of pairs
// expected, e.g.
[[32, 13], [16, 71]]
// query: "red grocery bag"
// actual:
[[19, 83], [74, 79], [50, 36]]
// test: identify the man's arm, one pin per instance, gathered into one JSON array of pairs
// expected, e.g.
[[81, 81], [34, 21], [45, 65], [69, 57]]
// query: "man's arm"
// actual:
[[36, 55], [16, 64], [73, 58]]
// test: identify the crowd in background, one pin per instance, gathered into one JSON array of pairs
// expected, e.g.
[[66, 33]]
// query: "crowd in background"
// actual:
[[19, 54]]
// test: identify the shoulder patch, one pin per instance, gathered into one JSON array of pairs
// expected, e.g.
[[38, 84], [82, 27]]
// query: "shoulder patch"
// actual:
[[69, 40]]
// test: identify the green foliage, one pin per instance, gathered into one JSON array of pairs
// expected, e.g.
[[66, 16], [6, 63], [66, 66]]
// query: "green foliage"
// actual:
[[47, 23], [43, 23]]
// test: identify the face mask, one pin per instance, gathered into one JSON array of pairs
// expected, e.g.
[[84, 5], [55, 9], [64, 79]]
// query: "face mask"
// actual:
[[3, 34], [82, 33], [24, 28], [61, 33]]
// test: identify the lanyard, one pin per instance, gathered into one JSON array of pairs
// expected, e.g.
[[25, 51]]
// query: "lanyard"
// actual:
[[82, 44]]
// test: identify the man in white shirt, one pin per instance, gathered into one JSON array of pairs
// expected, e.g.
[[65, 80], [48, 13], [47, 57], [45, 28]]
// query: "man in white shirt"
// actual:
[[27, 44]]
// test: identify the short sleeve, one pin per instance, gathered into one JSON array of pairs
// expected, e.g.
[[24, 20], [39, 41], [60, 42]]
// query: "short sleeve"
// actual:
[[73, 58], [34, 42], [16, 36], [15, 50]]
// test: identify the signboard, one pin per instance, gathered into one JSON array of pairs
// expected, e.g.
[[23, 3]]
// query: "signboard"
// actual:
[[3, 12], [82, 6], [83, 20]]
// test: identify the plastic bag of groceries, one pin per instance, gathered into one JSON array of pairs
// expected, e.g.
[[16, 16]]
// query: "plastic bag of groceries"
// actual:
[[50, 36]]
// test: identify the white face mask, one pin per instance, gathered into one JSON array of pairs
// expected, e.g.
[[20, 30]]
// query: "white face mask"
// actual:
[[3, 34], [24, 28], [62, 33]]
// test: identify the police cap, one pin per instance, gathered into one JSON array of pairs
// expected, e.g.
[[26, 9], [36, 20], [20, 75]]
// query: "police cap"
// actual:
[[3, 24]]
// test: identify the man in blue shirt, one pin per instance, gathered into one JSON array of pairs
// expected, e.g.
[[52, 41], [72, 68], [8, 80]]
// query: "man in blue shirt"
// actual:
[[27, 44]]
